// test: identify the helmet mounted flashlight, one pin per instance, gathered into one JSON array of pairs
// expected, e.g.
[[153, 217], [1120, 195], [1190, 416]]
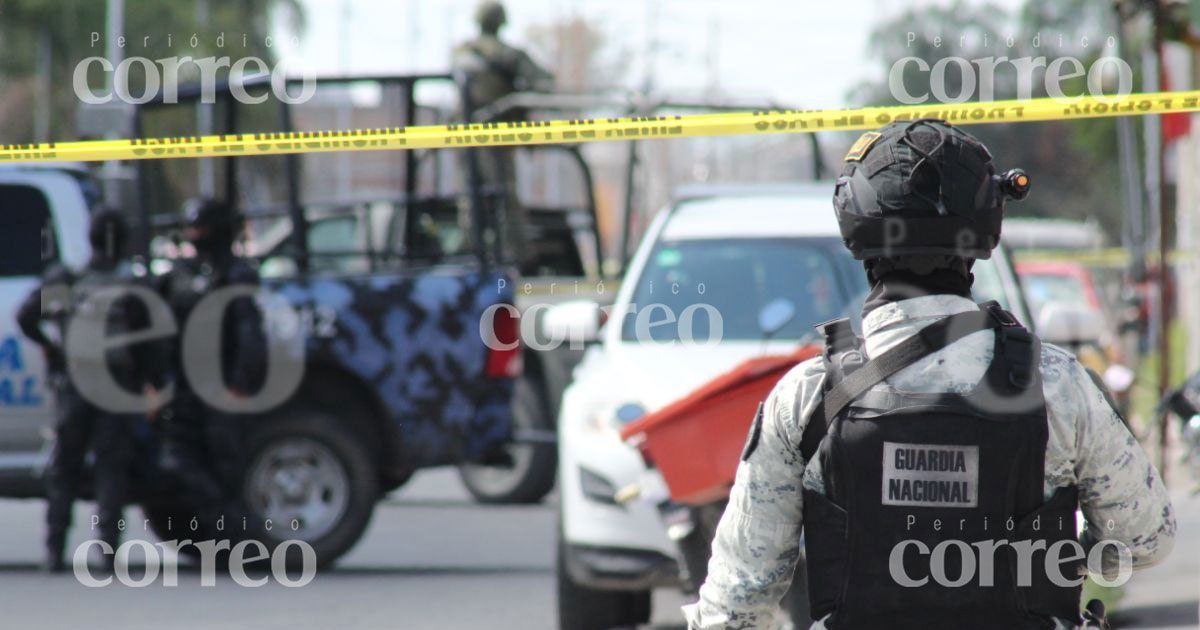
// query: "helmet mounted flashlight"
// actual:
[[1015, 184]]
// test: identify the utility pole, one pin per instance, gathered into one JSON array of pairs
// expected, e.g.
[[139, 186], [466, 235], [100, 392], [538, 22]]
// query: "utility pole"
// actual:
[[1164, 247], [345, 171], [207, 185], [41, 117], [112, 173], [1133, 232]]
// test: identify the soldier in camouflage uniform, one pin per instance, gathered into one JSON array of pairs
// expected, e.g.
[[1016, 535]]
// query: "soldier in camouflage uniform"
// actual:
[[81, 422], [798, 472], [491, 70]]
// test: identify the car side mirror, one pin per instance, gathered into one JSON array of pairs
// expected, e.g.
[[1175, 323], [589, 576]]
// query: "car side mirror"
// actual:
[[574, 321], [278, 267], [1066, 323], [775, 315]]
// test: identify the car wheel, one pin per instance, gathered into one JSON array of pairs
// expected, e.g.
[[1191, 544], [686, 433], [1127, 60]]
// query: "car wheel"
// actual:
[[528, 474], [307, 477], [582, 608]]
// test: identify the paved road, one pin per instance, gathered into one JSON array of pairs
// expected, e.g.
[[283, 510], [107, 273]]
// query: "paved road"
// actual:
[[431, 560], [1165, 596]]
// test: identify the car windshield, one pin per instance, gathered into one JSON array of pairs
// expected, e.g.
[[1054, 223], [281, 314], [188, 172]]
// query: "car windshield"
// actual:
[[1041, 289], [700, 282]]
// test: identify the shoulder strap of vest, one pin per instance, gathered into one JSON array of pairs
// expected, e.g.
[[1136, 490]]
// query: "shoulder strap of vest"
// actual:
[[1018, 344], [928, 340], [840, 343]]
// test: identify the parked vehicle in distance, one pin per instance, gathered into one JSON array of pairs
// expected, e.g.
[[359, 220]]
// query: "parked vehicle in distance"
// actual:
[[1067, 304]]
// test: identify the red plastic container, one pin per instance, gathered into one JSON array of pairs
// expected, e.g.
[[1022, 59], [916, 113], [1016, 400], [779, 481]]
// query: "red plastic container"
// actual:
[[696, 442]]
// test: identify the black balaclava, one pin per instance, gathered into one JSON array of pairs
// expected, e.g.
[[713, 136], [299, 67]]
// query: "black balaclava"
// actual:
[[892, 283], [107, 234], [217, 223]]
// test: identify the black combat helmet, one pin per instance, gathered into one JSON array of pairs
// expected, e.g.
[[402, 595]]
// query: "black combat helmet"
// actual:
[[922, 195], [211, 225], [108, 233], [491, 16]]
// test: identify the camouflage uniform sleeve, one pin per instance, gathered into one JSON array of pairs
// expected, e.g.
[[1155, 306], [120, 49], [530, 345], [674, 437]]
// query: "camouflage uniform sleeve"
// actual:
[[1120, 492], [757, 542]]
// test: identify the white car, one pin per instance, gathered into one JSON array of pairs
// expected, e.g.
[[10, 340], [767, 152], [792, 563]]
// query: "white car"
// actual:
[[729, 250]]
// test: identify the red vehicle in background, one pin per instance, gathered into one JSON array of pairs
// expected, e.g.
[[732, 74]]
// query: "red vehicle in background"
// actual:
[[1055, 281], [1065, 291]]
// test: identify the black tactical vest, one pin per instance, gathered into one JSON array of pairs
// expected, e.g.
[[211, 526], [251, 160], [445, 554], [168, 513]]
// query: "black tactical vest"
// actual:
[[111, 317], [925, 494]]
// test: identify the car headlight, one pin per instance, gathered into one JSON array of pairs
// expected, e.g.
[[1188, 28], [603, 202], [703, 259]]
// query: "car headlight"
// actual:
[[629, 412], [608, 419]]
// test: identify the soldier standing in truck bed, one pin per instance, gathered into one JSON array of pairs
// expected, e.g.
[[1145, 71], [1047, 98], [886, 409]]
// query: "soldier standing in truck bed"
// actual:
[[491, 69]]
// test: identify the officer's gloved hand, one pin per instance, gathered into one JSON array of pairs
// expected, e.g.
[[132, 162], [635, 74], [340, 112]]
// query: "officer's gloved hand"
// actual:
[[1094, 615]]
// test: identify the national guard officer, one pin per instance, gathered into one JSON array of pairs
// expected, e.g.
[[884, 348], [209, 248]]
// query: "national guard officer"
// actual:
[[202, 444], [63, 300], [934, 466], [492, 69]]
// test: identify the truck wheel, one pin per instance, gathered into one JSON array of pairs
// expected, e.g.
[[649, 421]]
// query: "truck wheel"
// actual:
[[582, 608], [529, 474], [312, 478]]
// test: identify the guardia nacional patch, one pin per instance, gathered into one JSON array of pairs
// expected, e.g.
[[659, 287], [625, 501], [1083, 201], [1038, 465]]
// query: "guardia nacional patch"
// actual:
[[862, 145]]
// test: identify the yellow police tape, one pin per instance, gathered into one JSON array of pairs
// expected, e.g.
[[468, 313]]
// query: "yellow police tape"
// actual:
[[595, 130]]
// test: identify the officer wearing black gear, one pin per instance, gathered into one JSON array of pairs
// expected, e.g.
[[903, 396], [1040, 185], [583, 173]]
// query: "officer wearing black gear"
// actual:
[[933, 463], [63, 298], [202, 444]]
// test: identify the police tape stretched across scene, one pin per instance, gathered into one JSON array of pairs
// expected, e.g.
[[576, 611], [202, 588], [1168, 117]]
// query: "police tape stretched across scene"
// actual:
[[536, 132]]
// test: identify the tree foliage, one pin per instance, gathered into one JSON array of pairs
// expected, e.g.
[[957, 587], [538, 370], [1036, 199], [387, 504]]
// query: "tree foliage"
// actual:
[[1073, 164], [58, 34]]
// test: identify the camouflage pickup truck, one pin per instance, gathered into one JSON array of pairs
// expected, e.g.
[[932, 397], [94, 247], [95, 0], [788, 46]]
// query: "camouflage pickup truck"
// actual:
[[394, 285]]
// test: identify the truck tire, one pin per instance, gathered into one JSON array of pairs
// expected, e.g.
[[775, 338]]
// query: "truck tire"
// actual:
[[582, 608], [313, 477], [529, 474]]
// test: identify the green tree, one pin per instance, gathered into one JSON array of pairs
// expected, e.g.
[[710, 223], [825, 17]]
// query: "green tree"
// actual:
[[1072, 164], [42, 42]]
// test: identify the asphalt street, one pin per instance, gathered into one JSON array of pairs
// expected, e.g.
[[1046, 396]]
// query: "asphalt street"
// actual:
[[431, 559]]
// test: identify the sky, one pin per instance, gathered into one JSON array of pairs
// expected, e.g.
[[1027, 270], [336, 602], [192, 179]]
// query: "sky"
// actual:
[[796, 53]]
